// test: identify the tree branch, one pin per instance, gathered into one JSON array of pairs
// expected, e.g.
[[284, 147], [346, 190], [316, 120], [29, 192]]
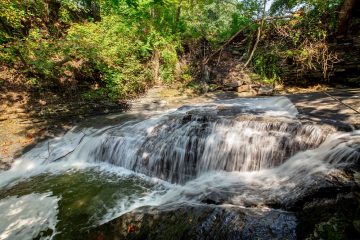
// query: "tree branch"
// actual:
[[258, 35], [224, 45], [207, 59]]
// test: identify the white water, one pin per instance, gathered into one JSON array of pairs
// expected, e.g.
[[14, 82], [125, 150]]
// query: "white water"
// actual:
[[283, 184], [25, 217], [245, 152], [229, 135]]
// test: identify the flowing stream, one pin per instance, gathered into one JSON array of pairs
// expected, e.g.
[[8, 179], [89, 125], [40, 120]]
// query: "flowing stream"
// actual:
[[252, 152]]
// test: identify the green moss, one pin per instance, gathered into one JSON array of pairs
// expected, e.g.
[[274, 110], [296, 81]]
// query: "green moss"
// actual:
[[333, 229]]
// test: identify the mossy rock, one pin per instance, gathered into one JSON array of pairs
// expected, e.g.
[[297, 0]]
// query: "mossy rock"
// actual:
[[199, 222]]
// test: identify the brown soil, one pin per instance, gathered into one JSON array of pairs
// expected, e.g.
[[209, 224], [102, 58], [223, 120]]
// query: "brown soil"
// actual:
[[28, 115]]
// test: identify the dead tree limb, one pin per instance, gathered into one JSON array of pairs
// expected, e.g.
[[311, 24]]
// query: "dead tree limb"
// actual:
[[258, 35], [206, 60], [270, 18]]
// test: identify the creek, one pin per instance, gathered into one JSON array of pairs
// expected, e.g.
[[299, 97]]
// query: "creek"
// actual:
[[254, 154]]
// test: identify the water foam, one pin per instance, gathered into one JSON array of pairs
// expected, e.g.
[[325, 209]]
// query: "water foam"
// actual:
[[28, 216], [196, 139], [226, 149], [282, 185]]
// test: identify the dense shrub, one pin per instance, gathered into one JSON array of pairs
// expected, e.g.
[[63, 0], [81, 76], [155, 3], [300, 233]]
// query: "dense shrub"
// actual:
[[111, 46]]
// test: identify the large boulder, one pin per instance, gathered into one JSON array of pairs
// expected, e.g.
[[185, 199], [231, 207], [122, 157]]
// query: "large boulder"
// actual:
[[200, 222]]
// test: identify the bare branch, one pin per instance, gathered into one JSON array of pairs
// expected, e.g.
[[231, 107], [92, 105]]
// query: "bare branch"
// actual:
[[258, 35]]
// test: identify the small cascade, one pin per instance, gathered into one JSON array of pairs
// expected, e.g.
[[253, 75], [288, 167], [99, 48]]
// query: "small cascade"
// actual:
[[181, 145], [303, 173]]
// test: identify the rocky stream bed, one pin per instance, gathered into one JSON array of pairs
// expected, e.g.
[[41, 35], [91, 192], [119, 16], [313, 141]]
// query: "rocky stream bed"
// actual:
[[314, 195]]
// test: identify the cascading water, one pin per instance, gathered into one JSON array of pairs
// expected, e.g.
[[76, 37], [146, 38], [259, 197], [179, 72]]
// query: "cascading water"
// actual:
[[243, 152], [188, 145], [181, 145]]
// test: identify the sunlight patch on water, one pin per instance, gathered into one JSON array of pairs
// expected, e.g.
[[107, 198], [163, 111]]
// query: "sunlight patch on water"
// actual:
[[28, 216], [84, 196]]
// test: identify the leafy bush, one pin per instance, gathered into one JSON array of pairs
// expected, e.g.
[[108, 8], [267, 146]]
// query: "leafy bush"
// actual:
[[109, 45], [267, 66], [115, 52]]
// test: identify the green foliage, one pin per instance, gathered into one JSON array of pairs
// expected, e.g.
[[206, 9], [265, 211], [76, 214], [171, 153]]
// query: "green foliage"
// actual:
[[333, 229], [17, 18], [302, 39], [266, 65], [12, 13], [169, 60], [113, 50], [317, 6], [219, 20], [37, 52], [7, 55], [113, 53], [186, 75], [109, 45]]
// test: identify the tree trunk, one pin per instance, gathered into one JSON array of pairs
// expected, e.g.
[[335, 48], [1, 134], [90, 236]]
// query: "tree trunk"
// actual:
[[156, 67], [344, 17], [95, 11]]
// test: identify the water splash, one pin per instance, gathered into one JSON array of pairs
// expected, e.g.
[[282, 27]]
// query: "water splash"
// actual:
[[29, 216], [283, 186], [180, 145]]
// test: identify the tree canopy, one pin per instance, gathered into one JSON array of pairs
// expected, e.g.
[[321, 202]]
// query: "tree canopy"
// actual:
[[120, 47]]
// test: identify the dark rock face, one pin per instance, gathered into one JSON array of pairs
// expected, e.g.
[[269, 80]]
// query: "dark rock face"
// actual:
[[330, 218], [200, 222], [326, 211]]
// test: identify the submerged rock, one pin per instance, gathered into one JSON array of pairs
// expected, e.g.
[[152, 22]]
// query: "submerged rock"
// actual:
[[199, 222]]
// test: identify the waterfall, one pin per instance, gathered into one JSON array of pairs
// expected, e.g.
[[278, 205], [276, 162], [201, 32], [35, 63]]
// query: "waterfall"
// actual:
[[180, 145], [254, 153]]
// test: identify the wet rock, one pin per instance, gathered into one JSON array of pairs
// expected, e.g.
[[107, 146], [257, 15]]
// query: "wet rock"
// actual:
[[330, 218], [255, 87], [200, 222], [265, 90], [215, 198]]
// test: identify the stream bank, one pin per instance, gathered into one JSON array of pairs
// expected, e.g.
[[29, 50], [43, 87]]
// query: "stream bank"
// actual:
[[23, 125]]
